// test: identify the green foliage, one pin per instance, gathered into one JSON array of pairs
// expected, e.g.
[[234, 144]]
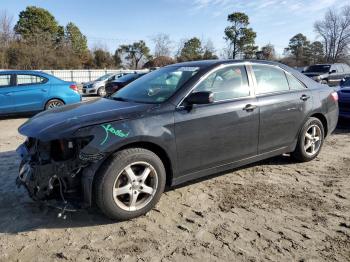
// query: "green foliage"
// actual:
[[135, 53], [192, 50], [35, 20], [103, 59], [317, 53], [267, 52], [240, 36], [76, 39], [299, 48], [303, 52]]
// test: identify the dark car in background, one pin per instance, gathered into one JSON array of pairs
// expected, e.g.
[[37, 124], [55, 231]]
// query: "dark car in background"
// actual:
[[114, 86], [330, 74], [97, 87], [23, 91], [344, 98], [175, 124]]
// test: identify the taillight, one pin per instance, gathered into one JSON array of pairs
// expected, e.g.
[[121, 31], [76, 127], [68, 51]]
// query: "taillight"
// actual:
[[335, 96], [74, 87]]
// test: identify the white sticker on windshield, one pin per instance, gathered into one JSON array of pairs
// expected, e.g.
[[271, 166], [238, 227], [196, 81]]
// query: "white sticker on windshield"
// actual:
[[188, 68]]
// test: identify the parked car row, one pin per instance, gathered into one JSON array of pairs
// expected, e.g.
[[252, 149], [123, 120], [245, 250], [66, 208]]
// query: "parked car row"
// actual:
[[108, 84], [330, 74], [117, 84], [97, 87]]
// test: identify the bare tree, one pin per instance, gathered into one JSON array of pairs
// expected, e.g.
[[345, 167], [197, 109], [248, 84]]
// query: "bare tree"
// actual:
[[6, 28], [162, 45], [334, 30]]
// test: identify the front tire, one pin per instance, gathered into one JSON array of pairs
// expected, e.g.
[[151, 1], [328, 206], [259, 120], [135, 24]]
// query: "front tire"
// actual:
[[101, 92], [310, 141], [130, 184]]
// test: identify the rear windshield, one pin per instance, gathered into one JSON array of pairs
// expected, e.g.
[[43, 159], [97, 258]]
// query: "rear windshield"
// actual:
[[318, 69]]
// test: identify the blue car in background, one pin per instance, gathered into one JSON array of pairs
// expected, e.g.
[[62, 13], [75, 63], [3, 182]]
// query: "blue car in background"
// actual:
[[32, 91], [344, 98]]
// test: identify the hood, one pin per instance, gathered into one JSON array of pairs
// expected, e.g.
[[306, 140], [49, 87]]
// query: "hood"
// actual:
[[64, 121]]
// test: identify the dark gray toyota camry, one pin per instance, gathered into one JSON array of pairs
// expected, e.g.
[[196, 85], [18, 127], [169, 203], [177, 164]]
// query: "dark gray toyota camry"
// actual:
[[175, 124]]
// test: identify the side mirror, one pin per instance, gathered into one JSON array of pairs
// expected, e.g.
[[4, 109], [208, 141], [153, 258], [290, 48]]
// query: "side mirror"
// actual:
[[333, 71], [200, 98]]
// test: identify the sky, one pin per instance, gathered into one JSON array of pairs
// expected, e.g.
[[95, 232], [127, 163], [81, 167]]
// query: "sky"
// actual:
[[109, 23]]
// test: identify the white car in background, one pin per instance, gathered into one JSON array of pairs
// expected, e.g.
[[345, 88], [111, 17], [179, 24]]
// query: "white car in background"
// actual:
[[97, 87]]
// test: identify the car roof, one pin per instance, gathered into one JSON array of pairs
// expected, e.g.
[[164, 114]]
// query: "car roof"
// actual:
[[22, 72], [207, 63]]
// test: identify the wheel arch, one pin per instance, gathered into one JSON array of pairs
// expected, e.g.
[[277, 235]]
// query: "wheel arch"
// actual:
[[159, 151], [323, 120], [54, 98]]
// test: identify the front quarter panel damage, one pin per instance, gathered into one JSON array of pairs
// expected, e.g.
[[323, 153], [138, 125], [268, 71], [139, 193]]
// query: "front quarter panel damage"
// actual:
[[69, 165]]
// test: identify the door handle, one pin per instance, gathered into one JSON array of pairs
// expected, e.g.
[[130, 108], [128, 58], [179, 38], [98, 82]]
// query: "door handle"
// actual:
[[250, 107], [304, 97]]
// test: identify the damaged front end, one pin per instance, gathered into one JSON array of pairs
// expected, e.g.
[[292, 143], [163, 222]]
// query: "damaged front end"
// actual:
[[53, 170]]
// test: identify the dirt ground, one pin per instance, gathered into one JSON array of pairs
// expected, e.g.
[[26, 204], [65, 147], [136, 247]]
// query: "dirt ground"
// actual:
[[274, 210]]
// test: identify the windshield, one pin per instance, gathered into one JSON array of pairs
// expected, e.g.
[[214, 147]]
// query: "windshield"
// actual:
[[157, 86], [318, 69], [104, 77]]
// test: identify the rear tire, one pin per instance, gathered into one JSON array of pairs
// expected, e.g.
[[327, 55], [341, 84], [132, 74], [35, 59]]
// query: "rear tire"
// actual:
[[129, 184], [310, 141], [53, 103]]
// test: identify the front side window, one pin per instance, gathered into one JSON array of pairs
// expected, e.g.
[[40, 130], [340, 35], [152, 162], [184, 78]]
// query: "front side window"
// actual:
[[5, 80], [226, 83], [294, 83], [30, 80], [270, 79], [156, 86]]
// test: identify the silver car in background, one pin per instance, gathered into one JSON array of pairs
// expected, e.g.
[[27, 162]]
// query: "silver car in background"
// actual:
[[97, 87]]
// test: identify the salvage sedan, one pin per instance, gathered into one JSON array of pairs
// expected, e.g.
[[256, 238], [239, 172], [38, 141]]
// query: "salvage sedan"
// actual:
[[175, 124]]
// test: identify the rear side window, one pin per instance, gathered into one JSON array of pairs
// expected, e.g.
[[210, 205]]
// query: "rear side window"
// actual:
[[270, 79], [294, 83], [5, 80], [30, 80], [226, 83]]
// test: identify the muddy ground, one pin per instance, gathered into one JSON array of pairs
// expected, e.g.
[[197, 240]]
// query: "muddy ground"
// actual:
[[274, 210]]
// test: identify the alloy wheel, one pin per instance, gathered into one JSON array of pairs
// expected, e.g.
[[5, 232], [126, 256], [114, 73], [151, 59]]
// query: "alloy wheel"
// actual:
[[54, 104], [135, 186], [101, 92], [313, 140]]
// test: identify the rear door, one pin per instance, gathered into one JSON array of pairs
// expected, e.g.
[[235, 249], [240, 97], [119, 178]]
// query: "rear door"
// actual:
[[30, 92], [6, 91], [284, 103]]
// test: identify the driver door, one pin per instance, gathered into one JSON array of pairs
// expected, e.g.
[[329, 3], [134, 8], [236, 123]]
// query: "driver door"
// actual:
[[220, 133]]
